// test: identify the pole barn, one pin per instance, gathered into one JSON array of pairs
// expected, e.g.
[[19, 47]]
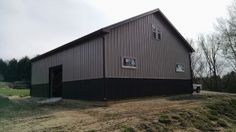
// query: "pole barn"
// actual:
[[141, 56]]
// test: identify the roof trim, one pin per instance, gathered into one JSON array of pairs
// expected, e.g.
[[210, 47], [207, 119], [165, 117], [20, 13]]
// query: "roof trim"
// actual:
[[131, 19], [71, 44], [105, 30], [178, 33]]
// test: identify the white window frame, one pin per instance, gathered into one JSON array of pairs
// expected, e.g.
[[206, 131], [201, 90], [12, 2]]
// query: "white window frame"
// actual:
[[182, 71], [157, 32], [128, 67]]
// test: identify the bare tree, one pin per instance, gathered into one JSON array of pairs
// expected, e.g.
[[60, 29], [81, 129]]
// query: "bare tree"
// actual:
[[210, 47], [197, 63], [226, 27]]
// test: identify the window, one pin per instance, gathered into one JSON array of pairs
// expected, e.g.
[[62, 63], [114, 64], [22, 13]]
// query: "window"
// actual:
[[179, 68], [156, 33], [128, 62], [158, 37]]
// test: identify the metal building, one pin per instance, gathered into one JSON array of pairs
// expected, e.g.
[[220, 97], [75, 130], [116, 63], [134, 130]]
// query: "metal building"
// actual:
[[141, 56]]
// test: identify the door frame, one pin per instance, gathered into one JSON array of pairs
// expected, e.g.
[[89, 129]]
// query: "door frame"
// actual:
[[50, 79]]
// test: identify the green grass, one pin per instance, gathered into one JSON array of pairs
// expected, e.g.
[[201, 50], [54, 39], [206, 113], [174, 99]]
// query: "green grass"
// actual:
[[128, 129], [165, 119], [14, 92], [10, 109], [216, 113], [4, 102]]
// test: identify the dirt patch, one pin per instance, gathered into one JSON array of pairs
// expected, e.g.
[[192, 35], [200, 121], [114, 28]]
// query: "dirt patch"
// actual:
[[134, 114]]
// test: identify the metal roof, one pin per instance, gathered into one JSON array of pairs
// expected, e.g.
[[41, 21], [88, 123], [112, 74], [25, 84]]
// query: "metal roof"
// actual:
[[105, 30]]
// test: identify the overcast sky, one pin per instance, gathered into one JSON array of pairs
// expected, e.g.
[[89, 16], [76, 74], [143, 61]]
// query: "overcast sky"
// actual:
[[31, 27]]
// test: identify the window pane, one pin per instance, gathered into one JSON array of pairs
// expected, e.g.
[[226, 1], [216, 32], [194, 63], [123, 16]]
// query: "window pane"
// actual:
[[159, 35], [179, 68], [129, 63]]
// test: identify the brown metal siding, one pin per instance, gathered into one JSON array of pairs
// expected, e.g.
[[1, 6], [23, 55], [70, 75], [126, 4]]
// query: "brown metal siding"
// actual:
[[79, 63], [155, 59]]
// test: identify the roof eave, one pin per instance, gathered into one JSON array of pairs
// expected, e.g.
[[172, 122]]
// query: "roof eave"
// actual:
[[71, 44], [106, 30]]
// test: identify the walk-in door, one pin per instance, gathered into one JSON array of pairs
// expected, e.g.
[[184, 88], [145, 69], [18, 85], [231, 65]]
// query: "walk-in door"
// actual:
[[55, 81]]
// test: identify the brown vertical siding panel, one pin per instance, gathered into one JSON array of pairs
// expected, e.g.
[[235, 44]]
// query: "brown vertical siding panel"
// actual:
[[34, 77], [124, 46], [34, 74], [67, 65], [72, 62], [155, 59], [82, 54], [43, 78], [44, 75], [114, 50], [81, 62], [150, 68], [158, 53], [88, 60], [107, 53], [123, 52], [75, 63], [132, 39], [140, 64], [116, 46]]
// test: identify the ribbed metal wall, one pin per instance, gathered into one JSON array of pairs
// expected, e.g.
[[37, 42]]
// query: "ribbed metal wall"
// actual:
[[82, 62], [155, 59]]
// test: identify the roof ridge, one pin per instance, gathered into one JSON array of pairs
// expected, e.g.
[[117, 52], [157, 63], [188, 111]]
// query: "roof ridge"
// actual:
[[105, 30]]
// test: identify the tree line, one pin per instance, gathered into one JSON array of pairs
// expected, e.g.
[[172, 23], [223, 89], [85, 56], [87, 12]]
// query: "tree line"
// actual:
[[214, 61], [14, 70]]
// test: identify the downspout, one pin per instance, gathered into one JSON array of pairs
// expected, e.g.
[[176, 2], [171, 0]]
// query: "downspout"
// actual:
[[104, 69]]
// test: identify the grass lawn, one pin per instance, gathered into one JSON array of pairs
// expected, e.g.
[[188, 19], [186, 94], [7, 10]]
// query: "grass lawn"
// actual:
[[11, 109], [14, 92], [4, 102]]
